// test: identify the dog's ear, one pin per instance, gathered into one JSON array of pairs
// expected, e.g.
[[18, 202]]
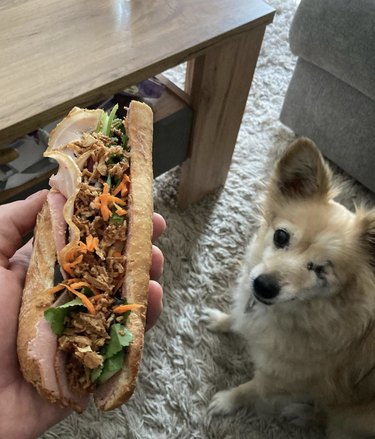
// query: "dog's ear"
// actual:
[[302, 172], [367, 230]]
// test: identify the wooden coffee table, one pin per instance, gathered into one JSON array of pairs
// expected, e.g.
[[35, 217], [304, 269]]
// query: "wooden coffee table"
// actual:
[[57, 54]]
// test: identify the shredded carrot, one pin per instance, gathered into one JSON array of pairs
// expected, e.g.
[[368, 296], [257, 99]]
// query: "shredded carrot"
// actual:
[[60, 286], [72, 280], [76, 285], [119, 210], [124, 191], [106, 213], [120, 309], [74, 255], [90, 307], [122, 187], [91, 243], [76, 261], [102, 201], [73, 283], [82, 247], [56, 289], [70, 254], [69, 265]]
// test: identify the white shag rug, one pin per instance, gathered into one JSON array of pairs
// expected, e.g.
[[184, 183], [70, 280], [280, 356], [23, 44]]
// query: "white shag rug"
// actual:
[[184, 364]]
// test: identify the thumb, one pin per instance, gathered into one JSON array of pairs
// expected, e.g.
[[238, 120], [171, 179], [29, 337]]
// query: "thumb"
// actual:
[[17, 219]]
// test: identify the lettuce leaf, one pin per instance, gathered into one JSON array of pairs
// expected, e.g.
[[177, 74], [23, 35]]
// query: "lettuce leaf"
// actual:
[[56, 316]]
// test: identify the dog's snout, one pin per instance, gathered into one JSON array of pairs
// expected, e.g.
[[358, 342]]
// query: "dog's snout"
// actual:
[[266, 286]]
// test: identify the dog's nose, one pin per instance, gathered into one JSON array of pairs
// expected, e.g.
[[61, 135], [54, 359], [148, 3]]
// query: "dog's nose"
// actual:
[[266, 286]]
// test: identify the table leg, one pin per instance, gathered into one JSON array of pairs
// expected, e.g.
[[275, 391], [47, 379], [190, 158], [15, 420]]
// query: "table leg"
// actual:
[[218, 82]]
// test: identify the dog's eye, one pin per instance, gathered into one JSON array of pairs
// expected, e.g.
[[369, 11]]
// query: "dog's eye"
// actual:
[[319, 270], [281, 238]]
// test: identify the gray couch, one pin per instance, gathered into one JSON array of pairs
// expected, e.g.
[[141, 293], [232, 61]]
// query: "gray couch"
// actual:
[[331, 97]]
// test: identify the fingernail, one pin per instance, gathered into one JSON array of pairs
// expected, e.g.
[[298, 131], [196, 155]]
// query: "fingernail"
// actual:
[[35, 194]]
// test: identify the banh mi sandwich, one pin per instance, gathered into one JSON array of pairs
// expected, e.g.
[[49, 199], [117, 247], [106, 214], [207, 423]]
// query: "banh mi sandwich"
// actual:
[[82, 319]]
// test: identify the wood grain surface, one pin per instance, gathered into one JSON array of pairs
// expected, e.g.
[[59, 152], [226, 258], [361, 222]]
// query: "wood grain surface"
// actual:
[[56, 54], [218, 82]]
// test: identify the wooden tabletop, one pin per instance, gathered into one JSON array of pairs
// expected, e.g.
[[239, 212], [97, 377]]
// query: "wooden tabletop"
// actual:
[[56, 54]]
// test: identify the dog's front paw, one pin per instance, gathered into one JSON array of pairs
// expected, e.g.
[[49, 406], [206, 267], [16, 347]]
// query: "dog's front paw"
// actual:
[[216, 320], [222, 403]]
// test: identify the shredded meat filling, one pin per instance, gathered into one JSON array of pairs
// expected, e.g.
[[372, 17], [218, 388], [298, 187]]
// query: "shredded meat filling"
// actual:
[[103, 266]]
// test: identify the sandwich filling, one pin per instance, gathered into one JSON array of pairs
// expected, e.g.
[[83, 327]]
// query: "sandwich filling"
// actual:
[[90, 312]]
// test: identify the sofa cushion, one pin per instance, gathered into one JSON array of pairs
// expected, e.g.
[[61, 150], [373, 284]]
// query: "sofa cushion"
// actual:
[[338, 36], [336, 116]]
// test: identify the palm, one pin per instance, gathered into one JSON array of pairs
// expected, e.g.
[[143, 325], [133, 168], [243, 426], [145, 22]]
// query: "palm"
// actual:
[[23, 413], [19, 399]]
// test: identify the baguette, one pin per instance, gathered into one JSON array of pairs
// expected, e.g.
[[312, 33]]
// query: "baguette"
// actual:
[[102, 200]]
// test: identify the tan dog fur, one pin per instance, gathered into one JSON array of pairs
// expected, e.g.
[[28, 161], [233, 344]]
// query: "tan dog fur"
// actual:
[[313, 344]]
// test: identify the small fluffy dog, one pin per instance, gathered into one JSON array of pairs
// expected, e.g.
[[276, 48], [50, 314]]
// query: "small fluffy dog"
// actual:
[[305, 302]]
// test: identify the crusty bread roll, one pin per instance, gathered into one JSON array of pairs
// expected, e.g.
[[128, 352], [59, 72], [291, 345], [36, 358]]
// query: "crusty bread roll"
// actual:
[[41, 360], [138, 251]]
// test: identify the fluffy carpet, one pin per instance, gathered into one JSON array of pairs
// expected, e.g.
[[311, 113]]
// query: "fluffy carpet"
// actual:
[[183, 363]]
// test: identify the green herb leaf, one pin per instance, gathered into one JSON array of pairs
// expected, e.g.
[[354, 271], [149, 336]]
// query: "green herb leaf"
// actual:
[[120, 338], [116, 219], [124, 140], [110, 120], [102, 122], [125, 317], [117, 123], [110, 367], [109, 182], [113, 353], [56, 316], [105, 122], [95, 374], [114, 159], [87, 292], [116, 180]]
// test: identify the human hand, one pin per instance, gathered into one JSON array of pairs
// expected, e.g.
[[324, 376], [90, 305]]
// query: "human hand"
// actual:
[[23, 413]]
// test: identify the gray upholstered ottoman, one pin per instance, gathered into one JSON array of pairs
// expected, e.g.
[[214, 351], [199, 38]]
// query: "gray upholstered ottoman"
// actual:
[[331, 97]]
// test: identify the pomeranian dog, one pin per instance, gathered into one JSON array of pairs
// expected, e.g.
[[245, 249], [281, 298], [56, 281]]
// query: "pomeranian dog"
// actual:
[[305, 302]]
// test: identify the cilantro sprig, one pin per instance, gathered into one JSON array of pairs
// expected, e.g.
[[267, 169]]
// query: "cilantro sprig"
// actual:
[[113, 353], [56, 316]]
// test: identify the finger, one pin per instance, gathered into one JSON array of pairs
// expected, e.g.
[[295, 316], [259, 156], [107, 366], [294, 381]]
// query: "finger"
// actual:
[[12, 282], [159, 225], [17, 219], [155, 304], [156, 263], [19, 263], [10, 300]]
